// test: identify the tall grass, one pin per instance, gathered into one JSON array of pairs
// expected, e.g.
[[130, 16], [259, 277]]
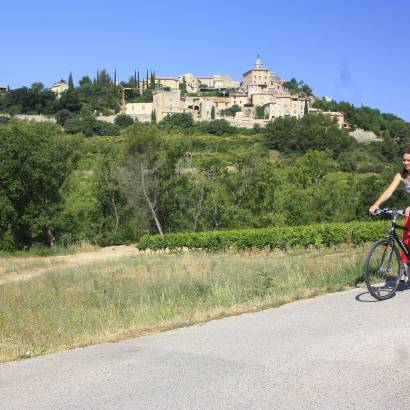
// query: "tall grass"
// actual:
[[136, 295], [56, 250]]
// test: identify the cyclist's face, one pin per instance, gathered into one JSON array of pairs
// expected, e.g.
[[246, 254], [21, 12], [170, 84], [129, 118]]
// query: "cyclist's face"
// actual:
[[406, 161]]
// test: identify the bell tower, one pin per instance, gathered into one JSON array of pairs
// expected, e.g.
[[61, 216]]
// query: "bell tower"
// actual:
[[258, 64]]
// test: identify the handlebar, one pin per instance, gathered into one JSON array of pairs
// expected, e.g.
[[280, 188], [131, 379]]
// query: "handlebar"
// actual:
[[389, 213]]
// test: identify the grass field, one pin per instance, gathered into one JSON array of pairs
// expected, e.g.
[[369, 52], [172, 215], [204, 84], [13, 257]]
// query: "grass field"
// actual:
[[65, 307]]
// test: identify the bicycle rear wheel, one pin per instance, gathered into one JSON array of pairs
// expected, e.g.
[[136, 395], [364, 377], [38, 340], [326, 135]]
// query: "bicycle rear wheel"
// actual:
[[383, 269]]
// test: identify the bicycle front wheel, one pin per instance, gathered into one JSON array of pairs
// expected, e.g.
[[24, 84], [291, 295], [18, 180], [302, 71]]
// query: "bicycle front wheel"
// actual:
[[383, 269]]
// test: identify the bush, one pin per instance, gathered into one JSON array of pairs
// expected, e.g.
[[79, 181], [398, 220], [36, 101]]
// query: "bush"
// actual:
[[4, 119], [89, 125], [274, 238], [106, 128], [177, 120], [62, 116], [231, 111], [217, 127], [123, 120]]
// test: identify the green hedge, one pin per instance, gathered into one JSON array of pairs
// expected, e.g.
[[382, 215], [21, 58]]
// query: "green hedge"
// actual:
[[274, 238]]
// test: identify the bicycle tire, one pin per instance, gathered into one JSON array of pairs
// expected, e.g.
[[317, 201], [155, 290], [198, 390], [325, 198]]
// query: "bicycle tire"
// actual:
[[383, 269]]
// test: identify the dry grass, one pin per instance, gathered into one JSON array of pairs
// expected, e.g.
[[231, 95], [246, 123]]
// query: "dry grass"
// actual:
[[110, 300]]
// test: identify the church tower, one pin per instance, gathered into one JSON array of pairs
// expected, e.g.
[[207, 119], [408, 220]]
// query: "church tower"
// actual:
[[258, 64]]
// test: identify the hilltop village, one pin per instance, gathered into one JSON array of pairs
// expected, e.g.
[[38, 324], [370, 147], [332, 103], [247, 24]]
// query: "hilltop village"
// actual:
[[259, 98]]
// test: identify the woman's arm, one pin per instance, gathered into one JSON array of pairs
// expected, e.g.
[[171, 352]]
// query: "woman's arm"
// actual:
[[386, 194]]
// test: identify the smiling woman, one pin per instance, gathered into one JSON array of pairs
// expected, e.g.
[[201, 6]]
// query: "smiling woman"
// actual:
[[403, 176]]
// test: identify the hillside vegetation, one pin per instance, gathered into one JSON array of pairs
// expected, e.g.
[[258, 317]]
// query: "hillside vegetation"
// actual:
[[179, 176]]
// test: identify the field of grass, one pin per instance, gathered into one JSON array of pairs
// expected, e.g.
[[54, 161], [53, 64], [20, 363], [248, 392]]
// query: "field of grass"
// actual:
[[134, 295]]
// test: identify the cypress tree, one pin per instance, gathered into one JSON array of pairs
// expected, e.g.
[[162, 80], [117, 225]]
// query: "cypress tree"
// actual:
[[70, 82], [153, 116], [306, 109], [213, 112], [115, 77]]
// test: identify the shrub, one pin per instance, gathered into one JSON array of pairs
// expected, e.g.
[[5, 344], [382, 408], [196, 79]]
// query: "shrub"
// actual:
[[106, 129], [123, 120], [62, 116], [177, 120], [274, 238], [89, 125]]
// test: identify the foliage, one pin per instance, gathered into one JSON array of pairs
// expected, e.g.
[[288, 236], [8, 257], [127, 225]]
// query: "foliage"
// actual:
[[313, 131], [260, 112], [4, 119], [297, 87], [88, 125], [36, 159], [177, 120], [123, 120], [370, 119], [62, 116], [183, 86], [33, 100], [274, 238], [231, 111], [216, 127]]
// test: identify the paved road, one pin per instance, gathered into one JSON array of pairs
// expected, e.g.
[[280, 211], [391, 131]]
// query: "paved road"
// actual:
[[330, 352]]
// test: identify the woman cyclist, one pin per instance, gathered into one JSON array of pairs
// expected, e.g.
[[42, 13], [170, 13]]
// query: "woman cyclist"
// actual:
[[404, 177]]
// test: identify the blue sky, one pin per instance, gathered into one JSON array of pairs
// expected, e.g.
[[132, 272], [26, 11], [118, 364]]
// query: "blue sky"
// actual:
[[357, 51]]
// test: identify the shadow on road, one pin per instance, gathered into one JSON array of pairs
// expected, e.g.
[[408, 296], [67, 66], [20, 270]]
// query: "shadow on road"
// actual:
[[367, 297]]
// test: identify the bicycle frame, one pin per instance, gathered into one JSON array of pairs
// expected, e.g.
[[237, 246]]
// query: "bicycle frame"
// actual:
[[393, 236]]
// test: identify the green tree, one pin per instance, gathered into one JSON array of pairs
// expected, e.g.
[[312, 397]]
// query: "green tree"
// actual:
[[70, 82], [183, 86], [260, 112], [123, 120], [62, 116], [177, 120], [116, 221], [231, 111], [143, 158], [36, 159]]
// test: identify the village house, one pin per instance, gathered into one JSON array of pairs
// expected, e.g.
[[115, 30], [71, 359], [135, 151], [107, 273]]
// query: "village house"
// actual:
[[59, 88]]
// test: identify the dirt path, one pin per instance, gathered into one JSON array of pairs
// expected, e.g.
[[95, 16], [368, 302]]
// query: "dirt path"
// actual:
[[13, 269]]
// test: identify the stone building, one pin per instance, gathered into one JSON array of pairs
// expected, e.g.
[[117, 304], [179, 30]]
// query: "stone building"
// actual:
[[214, 82], [167, 82], [337, 116], [261, 79], [59, 88], [167, 102], [286, 106], [140, 111]]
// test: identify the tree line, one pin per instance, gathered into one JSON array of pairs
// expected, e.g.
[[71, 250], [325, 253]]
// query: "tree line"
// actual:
[[173, 177]]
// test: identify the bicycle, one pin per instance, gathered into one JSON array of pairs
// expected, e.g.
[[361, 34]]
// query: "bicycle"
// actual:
[[383, 268]]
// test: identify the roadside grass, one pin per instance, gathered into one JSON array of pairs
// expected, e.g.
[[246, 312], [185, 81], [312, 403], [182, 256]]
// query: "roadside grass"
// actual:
[[136, 295]]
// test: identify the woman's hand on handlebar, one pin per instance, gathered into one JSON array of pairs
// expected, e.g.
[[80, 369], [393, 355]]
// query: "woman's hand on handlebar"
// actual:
[[374, 208]]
